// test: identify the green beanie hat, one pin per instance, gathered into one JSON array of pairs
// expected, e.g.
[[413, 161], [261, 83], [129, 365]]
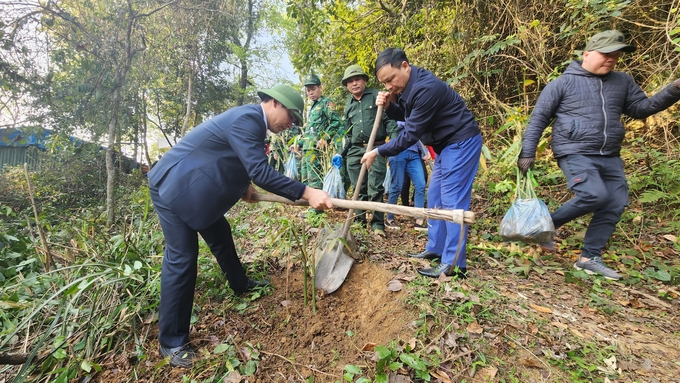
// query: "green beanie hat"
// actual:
[[288, 97]]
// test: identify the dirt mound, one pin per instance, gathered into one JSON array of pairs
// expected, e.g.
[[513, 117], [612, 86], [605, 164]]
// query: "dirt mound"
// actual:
[[292, 341], [362, 311]]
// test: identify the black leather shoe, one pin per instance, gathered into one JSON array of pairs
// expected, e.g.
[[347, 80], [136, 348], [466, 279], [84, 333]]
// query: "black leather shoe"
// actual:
[[424, 255], [445, 269], [182, 356], [253, 283]]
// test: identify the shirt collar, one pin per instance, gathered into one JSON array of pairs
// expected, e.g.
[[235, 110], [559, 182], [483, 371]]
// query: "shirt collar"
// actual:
[[264, 116], [411, 80]]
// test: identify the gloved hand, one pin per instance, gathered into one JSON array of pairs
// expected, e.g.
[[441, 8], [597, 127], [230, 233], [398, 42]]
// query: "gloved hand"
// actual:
[[525, 164], [337, 161]]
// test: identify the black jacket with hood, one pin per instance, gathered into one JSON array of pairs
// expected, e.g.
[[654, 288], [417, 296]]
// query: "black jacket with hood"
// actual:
[[587, 110]]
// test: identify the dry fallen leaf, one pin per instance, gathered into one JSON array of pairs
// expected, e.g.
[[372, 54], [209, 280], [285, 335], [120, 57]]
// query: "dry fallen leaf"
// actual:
[[671, 238], [560, 325], [576, 332], [454, 296], [541, 309], [245, 351], [611, 363], [535, 363], [394, 285], [532, 328], [474, 328], [441, 375], [369, 346], [488, 373], [412, 343], [233, 377], [286, 303]]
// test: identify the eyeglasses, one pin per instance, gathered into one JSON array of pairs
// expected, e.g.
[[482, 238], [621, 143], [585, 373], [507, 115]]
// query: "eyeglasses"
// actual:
[[291, 115]]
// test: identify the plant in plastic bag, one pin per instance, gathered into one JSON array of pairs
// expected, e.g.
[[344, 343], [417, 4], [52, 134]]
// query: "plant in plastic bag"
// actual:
[[290, 170], [332, 182], [528, 219], [388, 180]]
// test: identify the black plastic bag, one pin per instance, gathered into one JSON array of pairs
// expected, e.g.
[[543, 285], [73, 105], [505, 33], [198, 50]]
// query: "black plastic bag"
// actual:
[[528, 219]]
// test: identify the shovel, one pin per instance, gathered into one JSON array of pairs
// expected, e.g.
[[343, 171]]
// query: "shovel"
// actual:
[[334, 264], [458, 216]]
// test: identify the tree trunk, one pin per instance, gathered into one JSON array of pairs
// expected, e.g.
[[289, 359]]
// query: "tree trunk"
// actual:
[[145, 130], [185, 124], [243, 83], [110, 150]]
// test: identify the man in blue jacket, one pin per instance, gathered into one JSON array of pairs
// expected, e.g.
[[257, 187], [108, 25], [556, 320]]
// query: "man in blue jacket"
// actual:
[[196, 183], [587, 101], [435, 114]]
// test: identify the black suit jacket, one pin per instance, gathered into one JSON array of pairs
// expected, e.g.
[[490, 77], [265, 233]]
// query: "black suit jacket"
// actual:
[[210, 169]]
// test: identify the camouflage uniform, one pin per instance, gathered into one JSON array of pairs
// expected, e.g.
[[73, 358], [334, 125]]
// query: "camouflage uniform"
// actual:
[[323, 123], [359, 117]]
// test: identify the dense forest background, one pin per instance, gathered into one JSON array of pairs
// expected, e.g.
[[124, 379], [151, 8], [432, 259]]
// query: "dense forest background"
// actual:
[[80, 247]]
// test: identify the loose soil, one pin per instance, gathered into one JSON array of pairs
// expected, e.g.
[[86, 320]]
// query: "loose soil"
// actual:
[[538, 321]]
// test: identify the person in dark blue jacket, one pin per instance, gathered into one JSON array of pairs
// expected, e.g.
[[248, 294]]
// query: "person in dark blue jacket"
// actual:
[[435, 114], [196, 183], [586, 103]]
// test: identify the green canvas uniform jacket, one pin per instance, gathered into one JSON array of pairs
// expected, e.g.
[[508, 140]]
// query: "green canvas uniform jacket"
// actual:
[[322, 123], [359, 117]]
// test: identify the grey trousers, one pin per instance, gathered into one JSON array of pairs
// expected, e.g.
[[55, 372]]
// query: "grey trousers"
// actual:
[[600, 187]]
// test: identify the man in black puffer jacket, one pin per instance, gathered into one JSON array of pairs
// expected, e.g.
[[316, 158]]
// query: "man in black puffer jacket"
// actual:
[[587, 102]]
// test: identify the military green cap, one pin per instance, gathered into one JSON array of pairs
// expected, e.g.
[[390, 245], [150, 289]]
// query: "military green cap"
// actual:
[[609, 41], [287, 96], [351, 71], [311, 79]]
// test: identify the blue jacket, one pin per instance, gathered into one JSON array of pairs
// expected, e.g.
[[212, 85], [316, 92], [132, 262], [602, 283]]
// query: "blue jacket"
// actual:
[[434, 113], [587, 110], [210, 169]]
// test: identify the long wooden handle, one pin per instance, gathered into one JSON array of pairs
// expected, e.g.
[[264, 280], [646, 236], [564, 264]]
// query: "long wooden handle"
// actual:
[[364, 170], [457, 216]]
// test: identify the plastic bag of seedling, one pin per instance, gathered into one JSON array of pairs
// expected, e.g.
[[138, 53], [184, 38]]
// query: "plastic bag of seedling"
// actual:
[[332, 182], [388, 180], [290, 169], [528, 219]]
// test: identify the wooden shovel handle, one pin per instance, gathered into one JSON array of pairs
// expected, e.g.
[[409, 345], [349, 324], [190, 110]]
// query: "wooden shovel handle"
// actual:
[[457, 216]]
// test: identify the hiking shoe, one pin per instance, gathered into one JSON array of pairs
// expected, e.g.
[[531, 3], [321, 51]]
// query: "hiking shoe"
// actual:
[[595, 266], [182, 356], [379, 232], [390, 224], [420, 225]]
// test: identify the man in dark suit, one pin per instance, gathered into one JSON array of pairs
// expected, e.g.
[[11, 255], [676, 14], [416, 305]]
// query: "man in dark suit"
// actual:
[[196, 183]]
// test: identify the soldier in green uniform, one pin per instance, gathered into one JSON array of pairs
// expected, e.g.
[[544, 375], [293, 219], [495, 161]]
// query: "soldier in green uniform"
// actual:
[[321, 134], [360, 114]]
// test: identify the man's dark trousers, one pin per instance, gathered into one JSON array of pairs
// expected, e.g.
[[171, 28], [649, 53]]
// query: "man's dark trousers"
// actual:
[[178, 273], [600, 187]]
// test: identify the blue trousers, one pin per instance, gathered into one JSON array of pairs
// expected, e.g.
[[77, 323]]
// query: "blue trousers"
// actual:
[[600, 187], [410, 162], [451, 188], [178, 272]]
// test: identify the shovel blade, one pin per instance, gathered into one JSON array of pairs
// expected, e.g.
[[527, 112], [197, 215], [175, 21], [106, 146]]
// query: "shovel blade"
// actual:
[[332, 269]]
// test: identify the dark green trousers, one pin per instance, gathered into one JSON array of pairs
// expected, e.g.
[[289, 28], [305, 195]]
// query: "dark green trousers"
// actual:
[[372, 186]]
